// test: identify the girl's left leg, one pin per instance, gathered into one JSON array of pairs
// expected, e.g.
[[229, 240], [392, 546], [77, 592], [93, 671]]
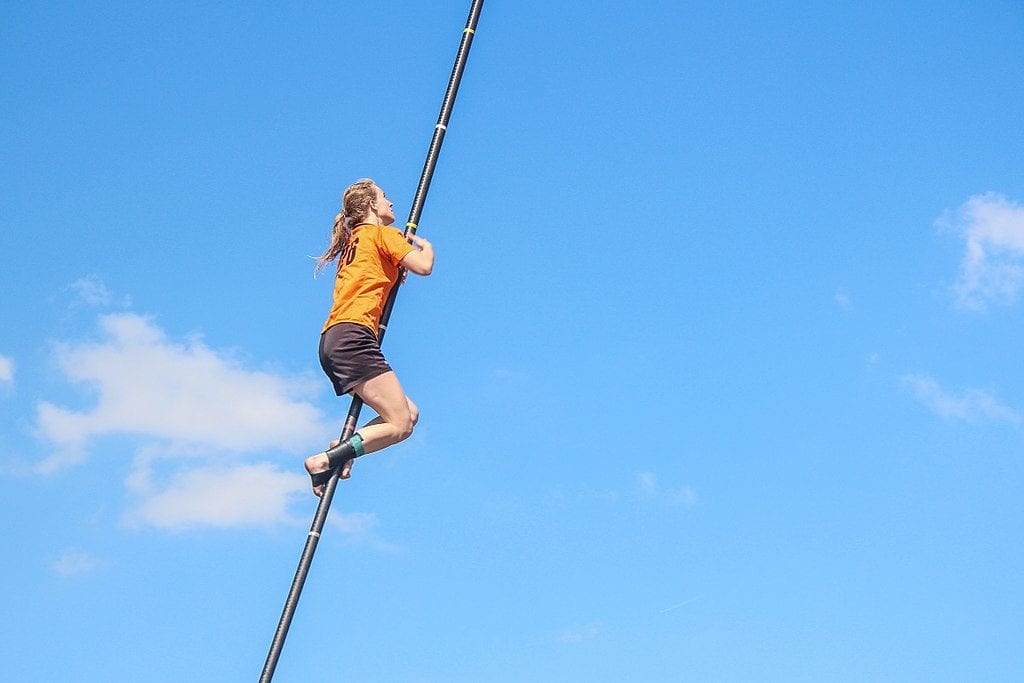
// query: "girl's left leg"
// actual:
[[345, 471], [398, 415]]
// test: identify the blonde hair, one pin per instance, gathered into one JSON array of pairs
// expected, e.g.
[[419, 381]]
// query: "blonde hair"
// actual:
[[355, 205]]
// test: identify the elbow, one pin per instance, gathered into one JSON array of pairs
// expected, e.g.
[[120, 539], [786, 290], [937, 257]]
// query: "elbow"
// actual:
[[418, 265]]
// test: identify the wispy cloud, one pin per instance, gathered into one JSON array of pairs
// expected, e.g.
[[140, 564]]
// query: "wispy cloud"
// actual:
[[992, 268], [92, 291], [649, 489], [971, 405], [361, 527], [677, 605], [6, 370], [579, 633], [72, 562], [356, 523], [152, 387]]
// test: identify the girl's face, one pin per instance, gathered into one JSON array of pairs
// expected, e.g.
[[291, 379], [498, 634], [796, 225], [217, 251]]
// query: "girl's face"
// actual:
[[384, 208]]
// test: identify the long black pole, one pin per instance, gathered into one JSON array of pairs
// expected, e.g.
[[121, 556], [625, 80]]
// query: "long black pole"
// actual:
[[313, 538]]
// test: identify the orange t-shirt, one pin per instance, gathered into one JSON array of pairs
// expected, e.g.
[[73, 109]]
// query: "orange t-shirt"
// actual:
[[367, 270]]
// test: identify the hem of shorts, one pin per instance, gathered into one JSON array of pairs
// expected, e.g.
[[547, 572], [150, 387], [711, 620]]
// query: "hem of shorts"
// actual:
[[365, 378]]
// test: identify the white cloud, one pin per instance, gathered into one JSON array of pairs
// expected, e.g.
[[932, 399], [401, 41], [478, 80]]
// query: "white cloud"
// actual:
[[91, 291], [648, 488], [204, 432], [223, 495], [6, 370], [992, 269], [72, 562], [218, 496], [149, 386], [971, 405], [198, 417]]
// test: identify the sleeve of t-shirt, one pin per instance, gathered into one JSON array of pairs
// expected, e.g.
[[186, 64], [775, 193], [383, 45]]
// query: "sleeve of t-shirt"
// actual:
[[393, 244]]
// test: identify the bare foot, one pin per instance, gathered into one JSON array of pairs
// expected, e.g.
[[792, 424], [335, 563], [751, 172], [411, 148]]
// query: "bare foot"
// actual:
[[319, 464]]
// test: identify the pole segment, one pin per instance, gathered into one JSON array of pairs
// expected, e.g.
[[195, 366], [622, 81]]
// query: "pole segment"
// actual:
[[320, 517]]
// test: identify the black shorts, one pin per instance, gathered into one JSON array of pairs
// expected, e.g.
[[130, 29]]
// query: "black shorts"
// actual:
[[350, 355]]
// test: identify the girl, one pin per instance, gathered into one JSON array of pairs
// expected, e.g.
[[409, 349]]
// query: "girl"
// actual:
[[369, 257]]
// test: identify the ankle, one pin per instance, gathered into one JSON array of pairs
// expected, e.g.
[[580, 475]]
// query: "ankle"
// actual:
[[339, 455], [343, 452]]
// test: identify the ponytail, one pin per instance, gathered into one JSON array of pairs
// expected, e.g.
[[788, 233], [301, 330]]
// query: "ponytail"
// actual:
[[355, 203]]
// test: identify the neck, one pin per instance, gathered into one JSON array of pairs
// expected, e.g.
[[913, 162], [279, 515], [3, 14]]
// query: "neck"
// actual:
[[371, 219]]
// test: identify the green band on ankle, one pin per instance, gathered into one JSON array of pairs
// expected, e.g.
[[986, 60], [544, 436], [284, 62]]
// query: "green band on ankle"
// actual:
[[357, 444]]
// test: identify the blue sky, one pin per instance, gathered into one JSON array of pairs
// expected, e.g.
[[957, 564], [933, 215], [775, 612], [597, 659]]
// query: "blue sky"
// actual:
[[719, 367]]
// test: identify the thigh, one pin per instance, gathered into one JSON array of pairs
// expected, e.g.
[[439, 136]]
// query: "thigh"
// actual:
[[384, 394]]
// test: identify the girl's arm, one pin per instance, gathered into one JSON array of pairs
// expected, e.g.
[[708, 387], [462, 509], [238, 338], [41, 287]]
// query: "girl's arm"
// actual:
[[421, 259]]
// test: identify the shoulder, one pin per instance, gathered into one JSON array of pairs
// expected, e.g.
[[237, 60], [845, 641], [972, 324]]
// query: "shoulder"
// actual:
[[379, 235], [392, 242], [378, 232], [390, 235]]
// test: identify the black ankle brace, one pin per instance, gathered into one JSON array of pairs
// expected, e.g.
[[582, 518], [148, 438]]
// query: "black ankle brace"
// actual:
[[340, 454]]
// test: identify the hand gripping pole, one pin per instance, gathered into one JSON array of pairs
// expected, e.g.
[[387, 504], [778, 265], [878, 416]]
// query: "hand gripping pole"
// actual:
[[313, 537]]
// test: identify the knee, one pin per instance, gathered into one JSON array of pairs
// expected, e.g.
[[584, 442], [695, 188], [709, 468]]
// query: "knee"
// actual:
[[404, 425], [403, 428]]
